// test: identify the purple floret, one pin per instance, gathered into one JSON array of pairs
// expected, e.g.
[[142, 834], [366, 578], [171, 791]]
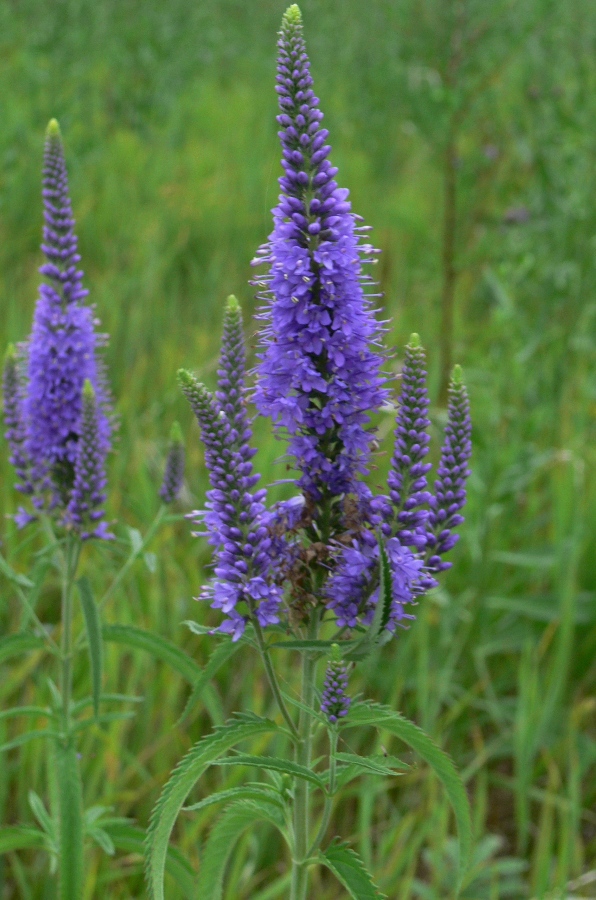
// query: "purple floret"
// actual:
[[450, 486], [319, 376], [15, 432]]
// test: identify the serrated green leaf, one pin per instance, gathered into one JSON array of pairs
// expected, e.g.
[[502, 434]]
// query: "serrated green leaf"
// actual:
[[217, 659], [216, 852], [94, 638], [441, 764], [20, 837], [182, 780], [70, 819], [157, 646], [349, 870], [15, 644], [274, 764], [131, 839], [249, 792], [355, 765]]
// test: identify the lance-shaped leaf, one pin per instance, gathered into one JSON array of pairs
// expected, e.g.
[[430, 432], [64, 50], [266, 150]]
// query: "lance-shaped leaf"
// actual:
[[94, 638], [181, 782], [441, 764]]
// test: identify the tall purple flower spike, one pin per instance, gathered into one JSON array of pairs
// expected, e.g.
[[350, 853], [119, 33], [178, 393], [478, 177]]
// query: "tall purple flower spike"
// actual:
[[62, 350], [450, 486], [318, 376], [235, 517], [335, 701], [88, 492], [407, 477], [173, 475]]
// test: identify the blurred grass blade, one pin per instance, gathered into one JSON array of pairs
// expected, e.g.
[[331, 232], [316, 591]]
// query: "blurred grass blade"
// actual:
[[94, 638], [349, 870], [20, 837], [219, 656], [158, 647], [131, 839], [15, 644]]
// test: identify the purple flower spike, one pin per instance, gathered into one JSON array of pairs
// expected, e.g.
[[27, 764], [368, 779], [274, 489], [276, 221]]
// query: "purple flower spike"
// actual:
[[235, 518], [88, 493], [62, 348], [174, 468], [335, 701], [13, 391], [318, 375], [450, 486], [407, 477]]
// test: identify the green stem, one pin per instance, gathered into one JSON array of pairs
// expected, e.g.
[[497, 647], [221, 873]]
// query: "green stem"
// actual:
[[302, 757], [69, 568], [333, 736], [272, 678]]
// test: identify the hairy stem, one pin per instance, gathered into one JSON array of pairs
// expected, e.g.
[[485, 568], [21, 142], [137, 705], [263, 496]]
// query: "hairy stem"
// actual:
[[69, 567], [302, 756]]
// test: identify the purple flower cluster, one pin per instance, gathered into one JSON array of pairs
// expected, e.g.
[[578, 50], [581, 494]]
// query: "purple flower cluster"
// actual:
[[335, 701], [173, 475], [450, 490], [45, 418], [235, 517], [318, 375]]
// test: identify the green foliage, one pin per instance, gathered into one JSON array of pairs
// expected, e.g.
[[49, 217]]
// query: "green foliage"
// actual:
[[94, 638], [70, 822], [350, 872]]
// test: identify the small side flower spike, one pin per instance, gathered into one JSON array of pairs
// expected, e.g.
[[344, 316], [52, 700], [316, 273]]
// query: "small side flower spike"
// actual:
[[335, 701], [450, 486], [174, 468], [88, 492]]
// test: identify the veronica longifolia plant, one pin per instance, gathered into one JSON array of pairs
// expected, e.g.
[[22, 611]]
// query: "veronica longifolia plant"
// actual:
[[335, 570], [59, 426]]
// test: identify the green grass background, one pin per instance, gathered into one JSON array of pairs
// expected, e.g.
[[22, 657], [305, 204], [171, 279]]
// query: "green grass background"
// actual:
[[167, 111]]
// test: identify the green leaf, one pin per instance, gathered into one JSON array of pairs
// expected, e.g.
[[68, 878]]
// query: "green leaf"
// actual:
[[102, 839], [216, 852], [249, 792], [15, 644], [375, 634], [131, 839], [93, 627], [181, 782], [322, 647], [42, 815], [13, 576], [362, 765], [26, 737], [70, 818], [275, 764], [441, 764], [26, 711], [20, 837], [159, 648], [349, 870], [219, 656]]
